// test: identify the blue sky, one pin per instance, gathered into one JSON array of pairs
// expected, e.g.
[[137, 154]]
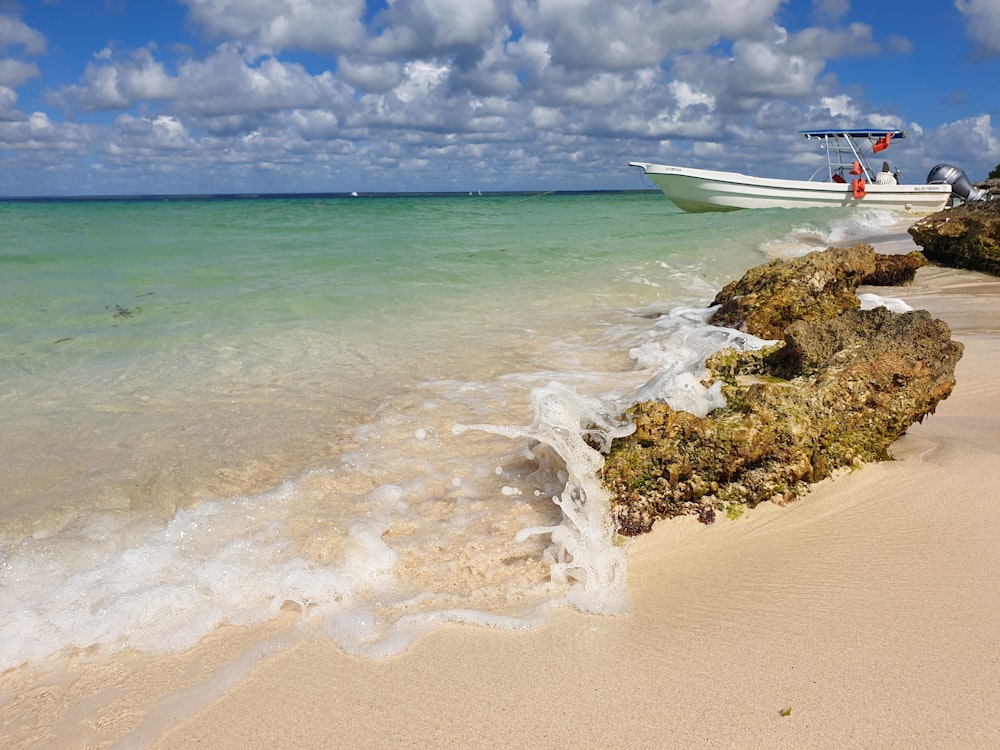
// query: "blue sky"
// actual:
[[108, 97]]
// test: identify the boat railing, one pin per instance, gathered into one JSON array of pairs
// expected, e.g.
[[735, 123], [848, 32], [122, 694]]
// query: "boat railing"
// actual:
[[844, 157], [845, 160]]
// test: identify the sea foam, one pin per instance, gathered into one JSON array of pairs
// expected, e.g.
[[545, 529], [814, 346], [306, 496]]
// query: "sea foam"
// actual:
[[870, 225], [391, 542], [411, 524]]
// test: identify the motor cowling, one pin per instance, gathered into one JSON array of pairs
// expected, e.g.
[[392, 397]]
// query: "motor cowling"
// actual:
[[946, 174]]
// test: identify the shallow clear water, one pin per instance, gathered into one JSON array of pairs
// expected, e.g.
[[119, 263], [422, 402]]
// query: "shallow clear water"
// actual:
[[216, 409]]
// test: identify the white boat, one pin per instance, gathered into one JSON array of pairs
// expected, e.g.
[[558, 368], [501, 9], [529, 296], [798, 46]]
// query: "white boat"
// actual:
[[849, 181]]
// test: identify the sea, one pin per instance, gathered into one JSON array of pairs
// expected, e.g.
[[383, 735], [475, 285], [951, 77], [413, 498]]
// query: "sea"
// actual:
[[381, 413]]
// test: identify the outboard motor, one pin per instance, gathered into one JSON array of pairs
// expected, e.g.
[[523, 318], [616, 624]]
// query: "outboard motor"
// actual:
[[946, 174]]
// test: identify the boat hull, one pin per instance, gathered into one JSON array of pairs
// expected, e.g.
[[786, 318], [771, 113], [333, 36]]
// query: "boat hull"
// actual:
[[699, 190]]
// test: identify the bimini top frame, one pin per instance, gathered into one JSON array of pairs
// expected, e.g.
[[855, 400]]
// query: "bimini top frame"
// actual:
[[844, 153]]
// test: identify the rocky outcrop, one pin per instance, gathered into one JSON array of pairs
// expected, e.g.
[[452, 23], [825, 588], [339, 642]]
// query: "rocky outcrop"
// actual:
[[896, 270], [817, 286], [967, 236], [842, 385]]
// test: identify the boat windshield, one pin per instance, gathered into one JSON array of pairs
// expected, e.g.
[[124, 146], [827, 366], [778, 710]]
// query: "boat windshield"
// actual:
[[846, 151]]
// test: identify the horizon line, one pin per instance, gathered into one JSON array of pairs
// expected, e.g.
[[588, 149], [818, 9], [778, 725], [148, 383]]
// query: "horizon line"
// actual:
[[339, 194]]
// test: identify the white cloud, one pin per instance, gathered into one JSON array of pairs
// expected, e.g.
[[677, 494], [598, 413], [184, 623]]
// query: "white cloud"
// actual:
[[230, 81], [584, 34], [8, 102], [296, 93], [116, 85], [431, 27], [16, 73], [496, 71], [841, 105], [547, 117], [755, 72], [315, 25], [370, 76], [602, 89], [227, 82], [33, 132], [823, 44], [161, 133], [419, 79], [315, 125], [971, 135], [831, 9], [687, 96], [14, 33], [983, 27]]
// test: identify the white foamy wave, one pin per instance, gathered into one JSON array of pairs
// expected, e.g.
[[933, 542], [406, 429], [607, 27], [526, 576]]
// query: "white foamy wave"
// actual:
[[162, 587], [673, 351], [582, 546], [419, 523], [843, 228], [864, 225], [573, 432], [893, 304], [414, 528]]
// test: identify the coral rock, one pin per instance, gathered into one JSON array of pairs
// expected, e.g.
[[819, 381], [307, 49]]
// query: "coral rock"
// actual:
[[896, 270], [966, 236], [817, 286], [836, 392]]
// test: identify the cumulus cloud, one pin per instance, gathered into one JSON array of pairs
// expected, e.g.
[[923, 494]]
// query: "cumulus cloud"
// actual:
[[16, 73], [823, 44], [688, 96], [315, 25], [370, 76], [832, 10], [298, 93], [584, 34], [495, 72], [34, 141], [753, 73], [8, 104], [983, 25], [433, 27], [15, 34], [160, 133], [969, 135], [117, 84], [229, 81], [840, 106]]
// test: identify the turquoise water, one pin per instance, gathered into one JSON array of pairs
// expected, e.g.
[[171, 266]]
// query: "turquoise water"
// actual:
[[218, 409], [190, 269]]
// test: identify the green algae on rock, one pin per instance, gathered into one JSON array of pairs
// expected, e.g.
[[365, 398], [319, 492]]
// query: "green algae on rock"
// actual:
[[816, 286], [836, 392]]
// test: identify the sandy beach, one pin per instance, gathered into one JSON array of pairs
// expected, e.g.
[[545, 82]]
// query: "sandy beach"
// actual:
[[862, 616]]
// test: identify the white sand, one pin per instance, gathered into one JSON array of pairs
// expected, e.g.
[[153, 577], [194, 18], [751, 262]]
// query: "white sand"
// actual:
[[870, 609]]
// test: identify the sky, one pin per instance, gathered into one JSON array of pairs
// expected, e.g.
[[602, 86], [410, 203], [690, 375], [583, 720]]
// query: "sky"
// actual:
[[130, 97]]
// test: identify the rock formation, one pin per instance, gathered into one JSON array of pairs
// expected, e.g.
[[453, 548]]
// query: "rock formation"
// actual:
[[839, 388], [967, 236], [816, 286], [896, 270]]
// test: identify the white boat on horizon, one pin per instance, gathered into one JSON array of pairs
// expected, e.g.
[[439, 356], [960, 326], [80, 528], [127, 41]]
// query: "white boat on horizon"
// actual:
[[851, 182]]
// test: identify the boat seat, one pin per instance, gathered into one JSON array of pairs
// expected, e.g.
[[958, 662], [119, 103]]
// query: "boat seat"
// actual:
[[885, 177]]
